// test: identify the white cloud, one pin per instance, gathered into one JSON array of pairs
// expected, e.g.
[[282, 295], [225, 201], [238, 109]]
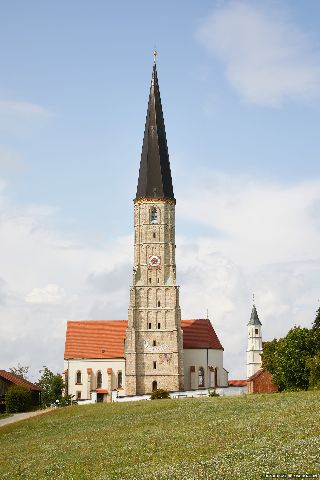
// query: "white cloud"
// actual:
[[22, 118], [44, 282], [263, 238], [258, 222], [260, 237], [51, 294], [267, 59], [22, 109], [9, 160]]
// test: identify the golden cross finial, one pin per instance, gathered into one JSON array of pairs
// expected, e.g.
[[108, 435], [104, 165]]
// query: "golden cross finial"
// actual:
[[155, 53]]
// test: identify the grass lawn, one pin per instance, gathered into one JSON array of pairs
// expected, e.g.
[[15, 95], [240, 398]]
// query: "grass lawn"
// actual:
[[206, 438]]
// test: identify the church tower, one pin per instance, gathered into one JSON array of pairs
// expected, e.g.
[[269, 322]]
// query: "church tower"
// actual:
[[254, 343], [154, 343]]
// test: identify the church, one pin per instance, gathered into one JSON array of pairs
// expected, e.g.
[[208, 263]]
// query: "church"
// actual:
[[153, 348]]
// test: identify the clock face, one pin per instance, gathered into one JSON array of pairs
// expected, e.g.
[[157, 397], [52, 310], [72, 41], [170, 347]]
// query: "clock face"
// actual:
[[154, 261]]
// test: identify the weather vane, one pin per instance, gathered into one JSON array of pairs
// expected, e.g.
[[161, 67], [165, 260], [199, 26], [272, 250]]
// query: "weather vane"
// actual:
[[253, 298]]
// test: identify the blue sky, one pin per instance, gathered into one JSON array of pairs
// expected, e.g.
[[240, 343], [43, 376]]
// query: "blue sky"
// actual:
[[240, 86]]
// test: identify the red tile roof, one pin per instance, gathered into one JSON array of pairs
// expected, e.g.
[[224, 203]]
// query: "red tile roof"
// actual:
[[101, 390], [95, 339], [256, 375], [237, 383], [105, 338], [199, 334], [11, 377]]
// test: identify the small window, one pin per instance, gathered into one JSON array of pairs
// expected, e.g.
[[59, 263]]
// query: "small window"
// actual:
[[154, 385], [149, 280], [158, 303], [154, 234], [158, 280], [154, 343], [99, 379], [201, 377], [154, 365], [78, 378], [256, 331], [154, 216], [159, 326], [120, 379], [149, 325], [78, 395]]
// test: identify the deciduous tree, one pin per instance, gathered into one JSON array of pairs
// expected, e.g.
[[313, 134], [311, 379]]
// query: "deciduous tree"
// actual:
[[52, 386], [20, 371]]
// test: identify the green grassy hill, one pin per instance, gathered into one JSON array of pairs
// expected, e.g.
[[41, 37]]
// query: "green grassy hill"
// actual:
[[208, 438]]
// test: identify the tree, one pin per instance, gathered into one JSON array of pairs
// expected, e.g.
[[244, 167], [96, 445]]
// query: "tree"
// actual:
[[316, 330], [20, 371], [17, 399], [52, 386], [313, 365], [294, 360], [268, 356], [316, 321], [291, 370]]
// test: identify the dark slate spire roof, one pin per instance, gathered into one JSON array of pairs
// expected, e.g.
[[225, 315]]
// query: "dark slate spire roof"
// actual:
[[154, 175], [254, 319]]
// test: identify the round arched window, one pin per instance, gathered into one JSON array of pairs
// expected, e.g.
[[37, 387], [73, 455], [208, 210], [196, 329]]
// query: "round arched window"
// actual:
[[99, 379], [201, 377]]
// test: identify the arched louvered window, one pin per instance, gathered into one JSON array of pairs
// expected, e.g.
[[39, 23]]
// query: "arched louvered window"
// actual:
[[99, 379], [201, 377], [153, 216], [78, 377]]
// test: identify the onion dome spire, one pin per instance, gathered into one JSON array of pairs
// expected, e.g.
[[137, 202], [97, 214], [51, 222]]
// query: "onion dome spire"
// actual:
[[155, 174]]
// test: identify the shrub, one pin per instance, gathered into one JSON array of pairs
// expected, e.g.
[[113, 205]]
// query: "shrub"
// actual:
[[213, 393], [18, 399], [159, 393]]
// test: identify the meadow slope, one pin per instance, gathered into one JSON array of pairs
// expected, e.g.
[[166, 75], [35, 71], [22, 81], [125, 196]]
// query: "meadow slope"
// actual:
[[207, 438]]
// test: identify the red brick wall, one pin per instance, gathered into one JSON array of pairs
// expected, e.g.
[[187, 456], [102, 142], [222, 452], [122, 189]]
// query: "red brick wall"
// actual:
[[262, 384]]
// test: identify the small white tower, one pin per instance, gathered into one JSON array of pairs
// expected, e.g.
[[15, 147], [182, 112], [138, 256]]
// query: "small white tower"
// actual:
[[254, 349]]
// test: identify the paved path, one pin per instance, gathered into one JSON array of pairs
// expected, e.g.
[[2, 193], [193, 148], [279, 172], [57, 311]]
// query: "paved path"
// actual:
[[16, 417]]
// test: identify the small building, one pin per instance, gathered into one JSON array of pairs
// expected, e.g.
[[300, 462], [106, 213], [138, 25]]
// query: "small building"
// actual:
[[238, 387], [261, 382], [7, 379], [94, 358]]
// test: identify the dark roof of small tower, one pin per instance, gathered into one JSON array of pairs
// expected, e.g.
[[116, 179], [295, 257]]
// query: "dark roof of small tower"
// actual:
[[154, 175], [254, 319]]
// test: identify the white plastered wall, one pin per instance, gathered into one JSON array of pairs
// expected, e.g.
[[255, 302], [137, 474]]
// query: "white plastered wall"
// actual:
[[88, 384], [202, 357], [195, 357]]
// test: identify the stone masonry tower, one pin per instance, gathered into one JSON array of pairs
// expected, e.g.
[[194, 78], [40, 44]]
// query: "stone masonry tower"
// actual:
[[254, 343], [154, 343]]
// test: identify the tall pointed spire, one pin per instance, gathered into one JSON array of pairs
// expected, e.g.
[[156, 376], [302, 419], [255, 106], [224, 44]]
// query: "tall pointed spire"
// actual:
[[254, 319], [155, 174]]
